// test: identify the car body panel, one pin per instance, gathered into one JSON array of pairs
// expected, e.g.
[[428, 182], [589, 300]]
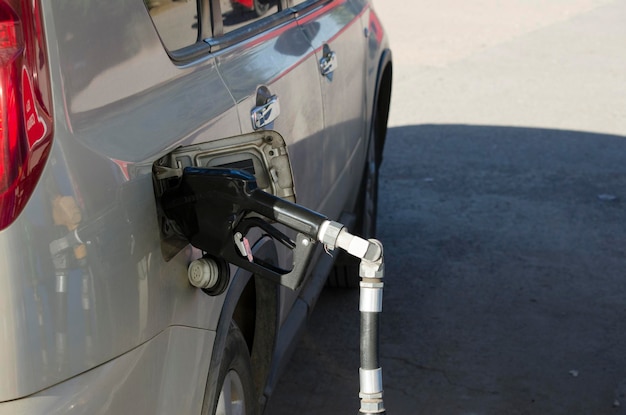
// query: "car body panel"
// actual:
[[151, 379], [111, 124]]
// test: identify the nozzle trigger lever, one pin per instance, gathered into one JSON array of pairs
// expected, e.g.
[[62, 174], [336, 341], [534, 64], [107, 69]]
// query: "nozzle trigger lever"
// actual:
[[243, 245]]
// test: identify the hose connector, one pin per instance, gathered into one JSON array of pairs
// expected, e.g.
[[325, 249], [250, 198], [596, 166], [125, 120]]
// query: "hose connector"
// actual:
[[335, 235], [371, 270]]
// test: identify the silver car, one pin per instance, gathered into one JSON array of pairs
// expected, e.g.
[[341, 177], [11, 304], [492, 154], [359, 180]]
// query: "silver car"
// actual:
[[96, 312]]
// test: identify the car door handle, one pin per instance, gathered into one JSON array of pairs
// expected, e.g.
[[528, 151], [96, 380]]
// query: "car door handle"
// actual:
[[328, 62], [265, 114]]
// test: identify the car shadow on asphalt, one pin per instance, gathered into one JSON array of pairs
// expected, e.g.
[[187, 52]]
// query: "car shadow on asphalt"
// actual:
[[505, 251]]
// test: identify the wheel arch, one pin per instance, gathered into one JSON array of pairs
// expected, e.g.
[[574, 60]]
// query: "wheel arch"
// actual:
[[247, 295], [382, 102]]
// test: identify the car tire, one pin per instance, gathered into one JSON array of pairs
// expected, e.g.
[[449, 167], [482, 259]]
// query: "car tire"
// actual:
[[345, 273], [236, 387]]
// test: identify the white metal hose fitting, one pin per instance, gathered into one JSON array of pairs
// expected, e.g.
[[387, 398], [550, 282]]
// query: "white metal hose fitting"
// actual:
[[335, 235], [371, 270]]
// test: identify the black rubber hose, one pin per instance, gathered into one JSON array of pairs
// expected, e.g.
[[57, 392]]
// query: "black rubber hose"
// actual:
[[369, 340]]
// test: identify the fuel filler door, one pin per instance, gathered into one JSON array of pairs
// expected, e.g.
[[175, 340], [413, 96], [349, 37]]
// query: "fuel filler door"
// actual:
[[212, 195]]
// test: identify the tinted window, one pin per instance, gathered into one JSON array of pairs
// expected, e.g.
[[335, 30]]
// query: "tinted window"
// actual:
[[291, 3], [239, 13], [176, 21]]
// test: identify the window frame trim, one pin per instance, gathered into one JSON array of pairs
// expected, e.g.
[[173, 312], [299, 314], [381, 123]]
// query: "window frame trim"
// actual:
[[211, 36], [255, 28]]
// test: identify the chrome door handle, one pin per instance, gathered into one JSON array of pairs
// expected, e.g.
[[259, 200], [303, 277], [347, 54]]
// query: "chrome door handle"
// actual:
[[328, 62], [265, 114]]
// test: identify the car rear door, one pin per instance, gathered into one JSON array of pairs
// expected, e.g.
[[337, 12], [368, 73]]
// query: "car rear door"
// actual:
[[270, 69], [336, 33]]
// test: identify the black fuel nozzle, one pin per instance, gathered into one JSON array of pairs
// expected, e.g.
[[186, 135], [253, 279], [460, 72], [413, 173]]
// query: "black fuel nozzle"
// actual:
[[215, 208]]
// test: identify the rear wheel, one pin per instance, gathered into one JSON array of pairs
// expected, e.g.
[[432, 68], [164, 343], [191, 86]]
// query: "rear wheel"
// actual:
[[236, 396]]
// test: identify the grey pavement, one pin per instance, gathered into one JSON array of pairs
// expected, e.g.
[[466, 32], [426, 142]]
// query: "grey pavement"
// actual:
[[502, 202]]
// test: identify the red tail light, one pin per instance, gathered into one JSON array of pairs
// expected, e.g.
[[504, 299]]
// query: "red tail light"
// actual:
[[25, 117]]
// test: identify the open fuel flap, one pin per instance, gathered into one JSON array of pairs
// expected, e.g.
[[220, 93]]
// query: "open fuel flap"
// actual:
[[212, 195], [262, 154]]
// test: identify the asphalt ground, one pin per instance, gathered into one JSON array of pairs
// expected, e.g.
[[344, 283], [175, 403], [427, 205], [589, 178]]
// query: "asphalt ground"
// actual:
[[502, 199]]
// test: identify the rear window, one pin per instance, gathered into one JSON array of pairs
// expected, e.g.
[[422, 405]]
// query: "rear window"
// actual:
[[178, 22]]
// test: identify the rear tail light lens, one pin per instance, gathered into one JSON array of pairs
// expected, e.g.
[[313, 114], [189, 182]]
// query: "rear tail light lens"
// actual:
[[25, 117]]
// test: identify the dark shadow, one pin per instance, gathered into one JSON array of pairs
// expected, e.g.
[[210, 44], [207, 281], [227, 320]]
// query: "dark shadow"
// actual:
[[505, 252], [238, 16]]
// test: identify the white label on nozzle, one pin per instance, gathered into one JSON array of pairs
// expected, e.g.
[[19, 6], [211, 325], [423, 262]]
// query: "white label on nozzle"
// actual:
[[243, 245], [246, 245]]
